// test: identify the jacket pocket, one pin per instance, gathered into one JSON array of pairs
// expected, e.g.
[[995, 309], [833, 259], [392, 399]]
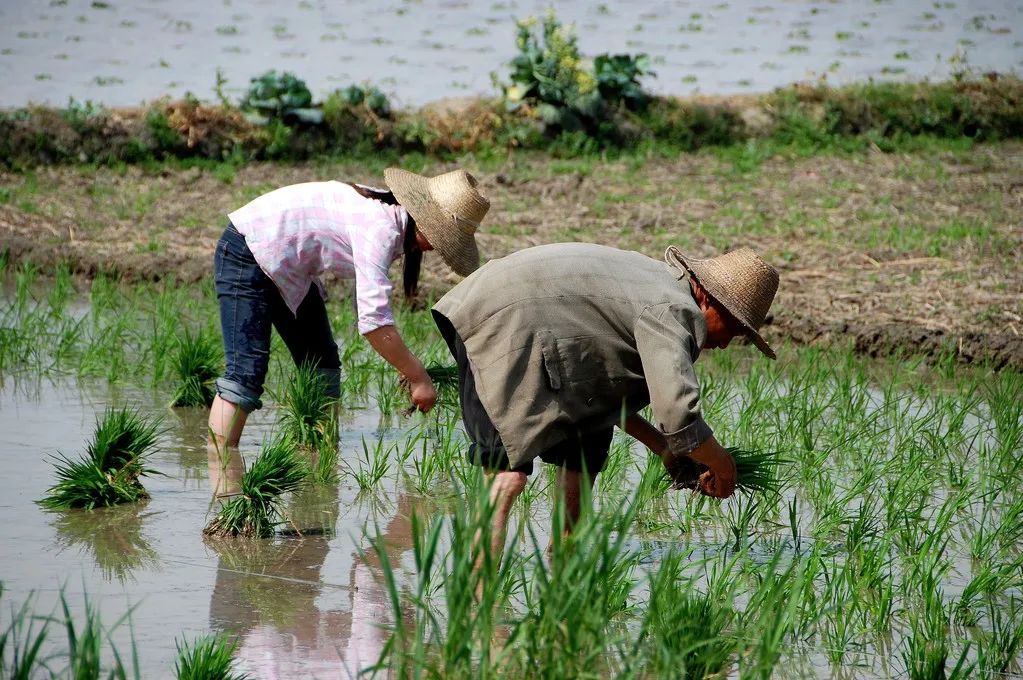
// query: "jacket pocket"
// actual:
[[550, 359]]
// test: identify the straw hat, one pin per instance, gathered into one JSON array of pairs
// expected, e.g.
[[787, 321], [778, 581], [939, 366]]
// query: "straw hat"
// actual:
[[740, 280], [447, 209]]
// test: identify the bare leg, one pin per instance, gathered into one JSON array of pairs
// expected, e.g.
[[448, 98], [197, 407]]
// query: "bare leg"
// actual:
[[505, 487], [226, 423], [569, 486], [225, 470]]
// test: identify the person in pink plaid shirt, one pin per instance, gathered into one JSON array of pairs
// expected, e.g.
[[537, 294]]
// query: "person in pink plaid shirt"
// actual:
[[269, 261]]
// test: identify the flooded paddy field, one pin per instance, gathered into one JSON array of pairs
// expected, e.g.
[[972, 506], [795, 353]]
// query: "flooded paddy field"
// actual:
[[122, 53], [894, 548]]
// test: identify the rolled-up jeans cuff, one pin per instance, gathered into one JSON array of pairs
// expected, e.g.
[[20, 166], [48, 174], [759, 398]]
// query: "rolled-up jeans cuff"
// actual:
[[685, 440], [243, 397], [332, 381]]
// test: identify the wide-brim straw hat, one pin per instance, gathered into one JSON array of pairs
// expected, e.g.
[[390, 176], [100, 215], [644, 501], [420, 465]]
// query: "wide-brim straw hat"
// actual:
[[448, 210], [740, 280]]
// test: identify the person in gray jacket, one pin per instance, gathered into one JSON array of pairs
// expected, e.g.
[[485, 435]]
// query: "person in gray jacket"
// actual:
[[558, 344]]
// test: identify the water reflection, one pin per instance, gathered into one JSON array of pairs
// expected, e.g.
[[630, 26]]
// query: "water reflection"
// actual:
[[112, 537], [292, 616]]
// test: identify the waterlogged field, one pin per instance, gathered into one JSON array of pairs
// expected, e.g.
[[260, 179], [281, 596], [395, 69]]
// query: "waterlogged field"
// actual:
[[895, 548]]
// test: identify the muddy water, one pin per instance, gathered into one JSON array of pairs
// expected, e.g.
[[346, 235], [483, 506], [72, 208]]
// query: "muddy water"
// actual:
[[120, 53], [301, 606]]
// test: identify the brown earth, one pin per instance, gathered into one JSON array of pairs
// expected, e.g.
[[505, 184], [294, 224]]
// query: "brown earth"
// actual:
[[916, 253]]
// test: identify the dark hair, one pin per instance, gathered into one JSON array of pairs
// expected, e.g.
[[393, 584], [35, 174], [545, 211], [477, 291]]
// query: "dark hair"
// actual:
[[413, 262]]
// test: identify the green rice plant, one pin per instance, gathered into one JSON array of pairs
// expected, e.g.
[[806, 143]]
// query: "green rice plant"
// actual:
[[197, 363], [257, 511], [373, 465], [324, 468], [772, 615], [206, 658], [22, 641], [109, 471], [687, 633], [85, 645], [999, 649], [308, 412], [459, 635], [567, 631]]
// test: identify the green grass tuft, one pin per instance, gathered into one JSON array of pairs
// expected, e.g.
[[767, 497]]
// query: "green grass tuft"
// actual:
[[307, 410], [207, 658], [257, 511], [109, 472], [197, 364]]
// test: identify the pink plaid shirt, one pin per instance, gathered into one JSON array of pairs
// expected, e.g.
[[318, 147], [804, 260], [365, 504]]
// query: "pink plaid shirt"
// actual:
[[299, 232]]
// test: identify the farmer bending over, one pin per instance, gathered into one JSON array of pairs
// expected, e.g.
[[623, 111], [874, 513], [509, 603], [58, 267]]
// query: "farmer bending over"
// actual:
[[557, 344], [270, 259]]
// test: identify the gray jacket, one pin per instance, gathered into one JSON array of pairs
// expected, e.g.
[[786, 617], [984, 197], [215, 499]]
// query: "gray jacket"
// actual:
[[574, 336]]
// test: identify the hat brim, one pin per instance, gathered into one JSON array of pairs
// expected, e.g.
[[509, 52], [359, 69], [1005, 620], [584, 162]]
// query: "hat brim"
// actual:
[[456, 246], [713, 288]]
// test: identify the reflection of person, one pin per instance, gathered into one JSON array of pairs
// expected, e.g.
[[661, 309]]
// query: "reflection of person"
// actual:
[[269, 261], [557, 344], [287, 615]]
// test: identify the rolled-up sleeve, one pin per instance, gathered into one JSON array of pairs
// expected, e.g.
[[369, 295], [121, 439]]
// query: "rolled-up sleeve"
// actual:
[[373, 247], [666, 348]]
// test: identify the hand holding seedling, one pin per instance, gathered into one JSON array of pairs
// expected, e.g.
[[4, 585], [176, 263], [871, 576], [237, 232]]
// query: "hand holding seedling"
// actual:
[[719, 478]]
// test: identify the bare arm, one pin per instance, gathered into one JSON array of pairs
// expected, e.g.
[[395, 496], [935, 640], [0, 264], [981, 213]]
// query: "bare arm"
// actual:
[[388, 344], [717, 481], [638, 428]]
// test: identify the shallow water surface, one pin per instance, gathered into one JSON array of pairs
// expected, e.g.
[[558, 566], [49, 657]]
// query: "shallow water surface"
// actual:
[[121, 53], [300, 605]]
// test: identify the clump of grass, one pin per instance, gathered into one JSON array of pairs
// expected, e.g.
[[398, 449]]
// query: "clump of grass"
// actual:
[[307, 410], [197, 364], [257, 511], [108, 473], [207, 658]]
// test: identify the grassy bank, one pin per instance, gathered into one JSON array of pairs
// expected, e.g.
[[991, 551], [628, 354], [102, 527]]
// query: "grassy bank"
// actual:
[[883, 115]]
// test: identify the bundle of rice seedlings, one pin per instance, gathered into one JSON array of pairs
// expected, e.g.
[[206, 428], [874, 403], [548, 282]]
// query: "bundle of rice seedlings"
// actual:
[[108, 473], [207, 658], [755, 471], [257, 510], [308, 414], [197, 364], [445, 381]]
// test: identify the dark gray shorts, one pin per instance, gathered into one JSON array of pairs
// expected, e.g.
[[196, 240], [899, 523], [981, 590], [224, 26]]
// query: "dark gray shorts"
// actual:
[[579, 451]]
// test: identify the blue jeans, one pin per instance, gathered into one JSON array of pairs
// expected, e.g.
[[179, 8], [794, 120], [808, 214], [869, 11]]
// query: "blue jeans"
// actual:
[[250, 305]]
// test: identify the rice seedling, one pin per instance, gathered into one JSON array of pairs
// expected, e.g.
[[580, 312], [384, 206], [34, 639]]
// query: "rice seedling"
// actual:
[[257, 511], [206, 658], [109, 472], [998, 651], [687, 633], [373, 465], [197, 363], [21, 643], [308, 412]]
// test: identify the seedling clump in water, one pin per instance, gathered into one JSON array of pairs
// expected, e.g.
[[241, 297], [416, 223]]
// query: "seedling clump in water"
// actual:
[[109, 472], [257, 511]]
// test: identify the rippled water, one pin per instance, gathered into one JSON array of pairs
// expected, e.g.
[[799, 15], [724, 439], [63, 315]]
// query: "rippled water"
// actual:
[[121, 53]]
